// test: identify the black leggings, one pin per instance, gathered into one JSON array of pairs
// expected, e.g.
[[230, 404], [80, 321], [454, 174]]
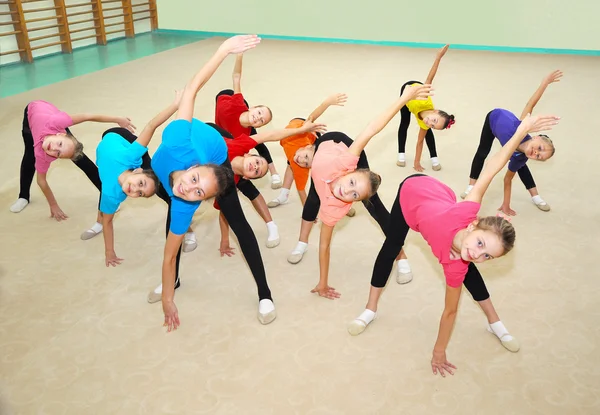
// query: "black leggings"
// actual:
[[485, 146], [403, 128], [394, 241], [374, 204], [28, 163], [231, 208], [262, 149]]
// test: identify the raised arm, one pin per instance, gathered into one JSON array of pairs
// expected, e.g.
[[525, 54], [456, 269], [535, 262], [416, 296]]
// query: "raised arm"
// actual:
[[236, 44], [237, 74], [499, 160], [158, 120], [548, 79], [123, 122], [414, 92], [436, 63], [335, 99], [277, 135]]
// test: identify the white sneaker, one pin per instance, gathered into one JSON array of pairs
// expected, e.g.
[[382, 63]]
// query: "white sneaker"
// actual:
[[155, 295], [276, 202], [295, 257], [276, 182], [189, 242], [89, 234], [19, 205], [266, 311]]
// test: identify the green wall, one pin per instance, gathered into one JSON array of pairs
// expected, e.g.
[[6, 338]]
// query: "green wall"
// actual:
[[549, 24]]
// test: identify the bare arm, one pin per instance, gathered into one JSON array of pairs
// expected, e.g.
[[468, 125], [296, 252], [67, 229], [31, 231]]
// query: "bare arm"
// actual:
[[323, 289], [436, 63], [121, 121], [45, 187], [109, 241], [549, 79], [419, 149], [379, 123], [507, 189], [158, 120], [335, 99], [277, 135], [448, 318], [172, 247], [237, 74], [236, 44], [499, 160], [302, 194]]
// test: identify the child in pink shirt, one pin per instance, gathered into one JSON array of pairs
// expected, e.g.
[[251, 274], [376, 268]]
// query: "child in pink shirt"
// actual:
[[47, 137], [458, 238]]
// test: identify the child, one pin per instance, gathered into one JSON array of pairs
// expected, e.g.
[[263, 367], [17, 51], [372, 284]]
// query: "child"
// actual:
[[47, 137], [502, 124], [427, 117], [233, 114], [457, 237]]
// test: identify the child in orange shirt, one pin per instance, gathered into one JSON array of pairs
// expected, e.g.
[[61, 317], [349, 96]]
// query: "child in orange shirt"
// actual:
[[295, 172]]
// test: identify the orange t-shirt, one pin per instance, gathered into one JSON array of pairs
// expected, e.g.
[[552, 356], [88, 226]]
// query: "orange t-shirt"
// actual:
[[291, 145], [331, 161]]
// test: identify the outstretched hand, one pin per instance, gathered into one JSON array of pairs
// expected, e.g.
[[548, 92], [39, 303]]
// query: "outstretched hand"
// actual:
[[326, 292], [418, 91], [125, 122], [311, 127], [443, 51], [539, 123], [178, 95], [337, 99], [440, 364], [553, 77], [240, 43]]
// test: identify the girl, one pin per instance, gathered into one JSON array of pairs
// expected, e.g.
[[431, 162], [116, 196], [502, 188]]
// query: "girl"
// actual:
[[191, 164], [233, 114], [246, 166], [427, 118], [502, 124], [47, 137], [336, 184], [294, 171], [124, 168], [457, 236]]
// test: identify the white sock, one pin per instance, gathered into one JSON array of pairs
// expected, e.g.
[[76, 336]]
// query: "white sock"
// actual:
[[19, 205], [401, 157], [300, 248], [265, 306], [367, 316], [537, 199], [190, 236], [469, 188], [499, 330], [275, 178], [435, 161], [273, 232], [283, 195], [158, 290], [96, 227], [403, 266]]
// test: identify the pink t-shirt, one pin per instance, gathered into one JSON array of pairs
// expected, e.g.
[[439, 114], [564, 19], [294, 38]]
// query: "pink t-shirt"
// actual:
[[331, 161], [45, 119], [430, 208]]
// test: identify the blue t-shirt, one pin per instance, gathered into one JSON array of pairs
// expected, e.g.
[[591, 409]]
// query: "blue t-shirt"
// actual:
[[185, 144], [114, 155], [504, 124]]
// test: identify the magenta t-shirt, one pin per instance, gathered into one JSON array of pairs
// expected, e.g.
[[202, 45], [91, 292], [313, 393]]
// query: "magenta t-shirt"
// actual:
[[45, 119], [430, 208]]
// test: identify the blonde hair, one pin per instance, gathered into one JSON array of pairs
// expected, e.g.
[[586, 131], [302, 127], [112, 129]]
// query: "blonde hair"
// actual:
[[77, 148], [374, 180], [502, 228], [549, 142]]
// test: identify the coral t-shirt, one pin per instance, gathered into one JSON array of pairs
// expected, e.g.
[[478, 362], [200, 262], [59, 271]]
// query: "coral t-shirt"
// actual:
[[332, 161], [291, 145], [44, 120], [430, 208], [227, 114]]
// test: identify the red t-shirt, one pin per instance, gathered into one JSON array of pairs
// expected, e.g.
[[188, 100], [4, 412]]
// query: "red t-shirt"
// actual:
[[237, 147], [430, 208], [227, 114]]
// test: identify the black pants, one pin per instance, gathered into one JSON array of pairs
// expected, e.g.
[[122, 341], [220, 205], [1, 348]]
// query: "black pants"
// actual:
[[403, 128], [374, 205], [394, 241], [231, 208], [485, 146], [262, 149], [28, 163]]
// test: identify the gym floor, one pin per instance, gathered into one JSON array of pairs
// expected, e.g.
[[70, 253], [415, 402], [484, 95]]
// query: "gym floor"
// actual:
[[79, 338]]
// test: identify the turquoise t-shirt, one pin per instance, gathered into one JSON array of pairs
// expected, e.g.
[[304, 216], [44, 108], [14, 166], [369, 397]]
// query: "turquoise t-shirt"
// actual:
[[114, 155], [185, 144]]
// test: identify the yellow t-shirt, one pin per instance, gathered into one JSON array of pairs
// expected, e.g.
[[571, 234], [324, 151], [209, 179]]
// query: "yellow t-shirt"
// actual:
[[417, 105]]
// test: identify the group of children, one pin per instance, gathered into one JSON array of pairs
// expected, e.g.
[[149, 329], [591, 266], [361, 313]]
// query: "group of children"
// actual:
[[197, 161]]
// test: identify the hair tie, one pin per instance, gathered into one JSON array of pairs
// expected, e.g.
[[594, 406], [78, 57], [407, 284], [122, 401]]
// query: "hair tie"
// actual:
[[502, 215], [450, 124]]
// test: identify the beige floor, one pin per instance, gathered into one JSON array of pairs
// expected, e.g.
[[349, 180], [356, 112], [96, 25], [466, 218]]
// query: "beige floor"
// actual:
[[78, 338]]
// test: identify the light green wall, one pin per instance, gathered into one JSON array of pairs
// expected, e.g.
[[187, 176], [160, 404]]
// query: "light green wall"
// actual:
[[556, 24]]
